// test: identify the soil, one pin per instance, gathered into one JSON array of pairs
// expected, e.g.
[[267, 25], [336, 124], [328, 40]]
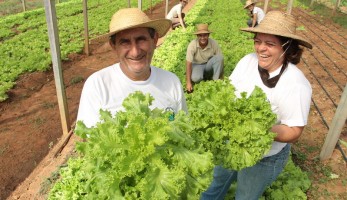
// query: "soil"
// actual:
[[33, 146]]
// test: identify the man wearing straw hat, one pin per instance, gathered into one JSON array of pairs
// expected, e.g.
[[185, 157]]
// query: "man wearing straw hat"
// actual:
[[176, 15], [256, 13], [133, 37], [204, 57], [272, 67]]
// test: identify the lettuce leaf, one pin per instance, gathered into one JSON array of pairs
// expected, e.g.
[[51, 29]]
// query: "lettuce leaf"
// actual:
[[235, 130], [136, 154]]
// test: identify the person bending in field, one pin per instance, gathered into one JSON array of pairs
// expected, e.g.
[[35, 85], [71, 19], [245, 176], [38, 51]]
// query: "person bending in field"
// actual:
[[204, 58], [256, 13], [133, 37], [272, 67], [176, 15]]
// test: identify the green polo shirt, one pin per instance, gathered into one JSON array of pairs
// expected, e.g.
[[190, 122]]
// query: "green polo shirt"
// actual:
[[197, 55]]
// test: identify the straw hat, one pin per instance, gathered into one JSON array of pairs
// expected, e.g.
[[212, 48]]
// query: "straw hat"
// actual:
[[248, 3], [128, 18], [202, 28], [280, 24]]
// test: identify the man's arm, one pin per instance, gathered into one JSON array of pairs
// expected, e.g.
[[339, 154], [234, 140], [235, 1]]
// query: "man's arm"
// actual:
[[189, 85], [255, 16], [89, 106], [181, 21]]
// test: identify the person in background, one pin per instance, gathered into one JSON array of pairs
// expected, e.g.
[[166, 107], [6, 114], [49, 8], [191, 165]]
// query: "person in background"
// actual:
[[256, 13], [204, 56], [133, 37], [176, 15], [272, 68]]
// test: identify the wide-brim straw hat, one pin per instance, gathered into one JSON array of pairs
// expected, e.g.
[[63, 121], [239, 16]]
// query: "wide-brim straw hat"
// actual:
[[201, 29], [128, 18], [248, 3], [280, 24]]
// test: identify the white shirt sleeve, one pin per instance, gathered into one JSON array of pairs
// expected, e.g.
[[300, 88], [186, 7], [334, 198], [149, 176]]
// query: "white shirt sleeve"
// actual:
[[90, 103], [294, 105]]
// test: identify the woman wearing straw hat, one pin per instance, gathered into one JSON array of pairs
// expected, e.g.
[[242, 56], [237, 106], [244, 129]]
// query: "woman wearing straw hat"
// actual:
[[256, 13], [204, 56], [133, 36], [177, 16], [273, 68]]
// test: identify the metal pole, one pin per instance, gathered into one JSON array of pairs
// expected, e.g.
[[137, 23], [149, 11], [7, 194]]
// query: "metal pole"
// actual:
[[86, 32], [139, 4], [266, 5], [24, 5], [151, 7], [289, 7], [51, 18], [336, 7], [166, 7]]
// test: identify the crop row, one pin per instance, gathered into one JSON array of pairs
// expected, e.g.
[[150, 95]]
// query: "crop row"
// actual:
[[24, 45], [224, 27]]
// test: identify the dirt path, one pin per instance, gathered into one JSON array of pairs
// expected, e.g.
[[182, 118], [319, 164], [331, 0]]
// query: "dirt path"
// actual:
[[30, 130]]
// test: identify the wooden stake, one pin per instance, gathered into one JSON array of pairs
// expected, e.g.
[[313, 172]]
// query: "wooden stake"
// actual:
[[53, 35], [335, 128]]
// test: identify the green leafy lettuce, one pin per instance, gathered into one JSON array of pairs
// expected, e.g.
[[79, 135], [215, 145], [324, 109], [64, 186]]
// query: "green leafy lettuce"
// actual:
[[136, 154], [292, 183], [235, 130]]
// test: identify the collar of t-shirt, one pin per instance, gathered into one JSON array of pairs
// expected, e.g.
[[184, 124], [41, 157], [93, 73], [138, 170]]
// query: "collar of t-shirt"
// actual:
[[207, 46], [276, 72]]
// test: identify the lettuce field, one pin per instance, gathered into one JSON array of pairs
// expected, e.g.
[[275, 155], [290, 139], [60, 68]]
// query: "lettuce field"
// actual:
[[30, 130]]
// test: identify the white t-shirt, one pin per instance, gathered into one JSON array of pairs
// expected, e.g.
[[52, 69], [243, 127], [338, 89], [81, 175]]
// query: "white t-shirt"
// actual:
[[260, 14], [175, 11], [290, 99], [107, 88]]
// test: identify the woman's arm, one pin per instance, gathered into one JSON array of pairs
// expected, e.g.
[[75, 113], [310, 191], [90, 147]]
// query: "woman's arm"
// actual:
[[287, 134]]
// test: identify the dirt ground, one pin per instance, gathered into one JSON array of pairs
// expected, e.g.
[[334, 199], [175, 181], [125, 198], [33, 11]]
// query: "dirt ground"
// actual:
[[31, 135]]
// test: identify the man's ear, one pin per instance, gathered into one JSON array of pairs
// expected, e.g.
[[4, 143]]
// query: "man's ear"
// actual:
[[113, 46], [156, 38]]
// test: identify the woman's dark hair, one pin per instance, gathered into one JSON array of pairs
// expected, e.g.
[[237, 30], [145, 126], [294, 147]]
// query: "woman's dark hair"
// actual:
[[151, 32], [294, 52]]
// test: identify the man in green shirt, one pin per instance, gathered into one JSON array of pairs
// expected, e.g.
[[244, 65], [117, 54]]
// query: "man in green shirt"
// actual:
[[204, 56]]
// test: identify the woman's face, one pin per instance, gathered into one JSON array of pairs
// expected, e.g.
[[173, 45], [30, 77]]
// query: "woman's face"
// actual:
[[269, 51]]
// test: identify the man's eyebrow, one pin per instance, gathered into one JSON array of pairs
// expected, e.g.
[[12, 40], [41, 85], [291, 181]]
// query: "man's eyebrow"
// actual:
[[123, 40], [140, 37]]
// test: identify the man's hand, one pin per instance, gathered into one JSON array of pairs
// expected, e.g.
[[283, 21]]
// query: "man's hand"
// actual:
[[189, 87]]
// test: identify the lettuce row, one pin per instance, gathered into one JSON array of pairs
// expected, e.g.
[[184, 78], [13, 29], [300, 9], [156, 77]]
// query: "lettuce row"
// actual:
[[292, 183]]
